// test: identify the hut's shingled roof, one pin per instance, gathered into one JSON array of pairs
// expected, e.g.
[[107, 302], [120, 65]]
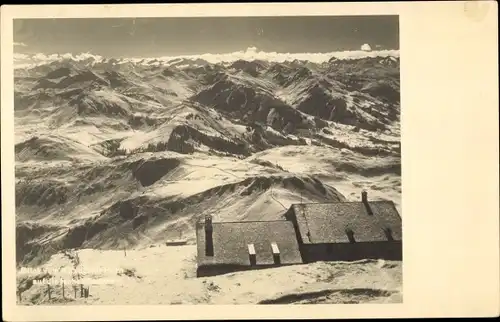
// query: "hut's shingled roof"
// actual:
[[230, 241], [328, 222]]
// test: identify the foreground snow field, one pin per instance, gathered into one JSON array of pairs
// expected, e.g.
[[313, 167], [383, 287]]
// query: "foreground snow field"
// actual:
[[166, 275]]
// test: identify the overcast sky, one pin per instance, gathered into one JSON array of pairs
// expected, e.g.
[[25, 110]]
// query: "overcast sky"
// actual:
[[151, 37]]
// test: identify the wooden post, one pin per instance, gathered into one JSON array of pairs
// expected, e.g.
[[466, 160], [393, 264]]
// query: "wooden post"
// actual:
[[81, 290], [75, 288], [63, 290], [20, 295], [125, 251], [48, 290]]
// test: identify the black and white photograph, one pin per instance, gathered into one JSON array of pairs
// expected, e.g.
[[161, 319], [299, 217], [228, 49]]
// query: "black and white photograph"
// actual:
[[208, 160]]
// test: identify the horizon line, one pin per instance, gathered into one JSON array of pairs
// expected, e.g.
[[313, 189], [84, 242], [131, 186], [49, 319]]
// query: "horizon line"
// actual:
[[250, 54]]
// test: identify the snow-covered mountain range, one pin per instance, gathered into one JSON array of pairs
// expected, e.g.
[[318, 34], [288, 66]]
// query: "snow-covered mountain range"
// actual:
[[123, 152]]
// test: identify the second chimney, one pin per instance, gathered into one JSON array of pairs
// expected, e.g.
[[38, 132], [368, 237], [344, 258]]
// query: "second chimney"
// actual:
[[364, 196], [252, 254], [209, 241], [276, 253], [364, 199]]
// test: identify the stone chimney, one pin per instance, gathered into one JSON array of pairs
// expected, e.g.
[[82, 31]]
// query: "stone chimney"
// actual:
[[251, 254], [276, 253], [209, 241], [364, 199], [364, 196]]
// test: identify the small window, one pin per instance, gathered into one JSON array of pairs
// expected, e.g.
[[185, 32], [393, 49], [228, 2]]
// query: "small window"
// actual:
[[308, 234], [350, 235], [388, 234]]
